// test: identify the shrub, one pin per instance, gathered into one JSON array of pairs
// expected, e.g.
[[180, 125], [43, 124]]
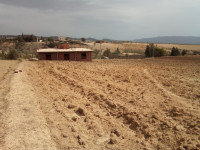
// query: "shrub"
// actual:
[[175, 52], [159, 52], [12, 54], [96, 53]]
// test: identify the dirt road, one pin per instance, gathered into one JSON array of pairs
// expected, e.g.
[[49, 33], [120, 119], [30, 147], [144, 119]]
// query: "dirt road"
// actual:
[[23, 124], [105, 104], [6, 72]]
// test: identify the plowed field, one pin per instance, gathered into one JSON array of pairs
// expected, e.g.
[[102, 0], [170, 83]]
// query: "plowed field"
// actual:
[[104, 104], [120, 104]]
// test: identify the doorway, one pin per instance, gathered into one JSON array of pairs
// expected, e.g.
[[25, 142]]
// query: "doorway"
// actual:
[[66, 56], [48, 56]]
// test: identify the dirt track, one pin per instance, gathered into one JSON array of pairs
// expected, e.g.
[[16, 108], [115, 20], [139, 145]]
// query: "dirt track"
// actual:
[[116, 104], [6, 72]]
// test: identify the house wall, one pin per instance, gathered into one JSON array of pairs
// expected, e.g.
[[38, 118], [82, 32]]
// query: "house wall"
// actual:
[[73, 56]]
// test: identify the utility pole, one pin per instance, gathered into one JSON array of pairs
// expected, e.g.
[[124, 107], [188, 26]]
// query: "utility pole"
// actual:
[[100, 49], [153, 50]]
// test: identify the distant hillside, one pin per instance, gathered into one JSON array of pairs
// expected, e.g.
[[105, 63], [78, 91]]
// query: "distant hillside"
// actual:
[[171, 39], [91, 39]]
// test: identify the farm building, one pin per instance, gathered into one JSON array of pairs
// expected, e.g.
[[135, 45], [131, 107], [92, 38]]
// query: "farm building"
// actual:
[[71, 54]]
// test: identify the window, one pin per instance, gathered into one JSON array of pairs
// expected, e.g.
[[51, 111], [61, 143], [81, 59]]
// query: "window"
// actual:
[[83, 56], [66, 56], [48, 56]]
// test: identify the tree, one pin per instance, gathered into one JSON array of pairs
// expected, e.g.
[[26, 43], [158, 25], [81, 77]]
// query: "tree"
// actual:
[[148, 51], [117, 51], [52, 45], [96, 53], [184, 52], [175, 52], [151, 51], [50, 39], [20, 38], [83, 39], [106, 53]]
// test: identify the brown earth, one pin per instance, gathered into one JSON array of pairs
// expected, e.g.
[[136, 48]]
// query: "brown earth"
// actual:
[[108, 104], [6, 72]]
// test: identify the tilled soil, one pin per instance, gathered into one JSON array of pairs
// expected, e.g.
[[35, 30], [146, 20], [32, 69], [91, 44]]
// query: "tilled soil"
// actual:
[[120, 104]]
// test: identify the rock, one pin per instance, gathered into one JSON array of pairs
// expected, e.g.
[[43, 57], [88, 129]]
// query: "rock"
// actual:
[[73, 129], [80, 141], [74, 118], [64, 135], [71, 106], [180, 148], [15, 71], [112, 141], [115, 132], [87, 104], [33, 59], [179, 128], [80, 112]]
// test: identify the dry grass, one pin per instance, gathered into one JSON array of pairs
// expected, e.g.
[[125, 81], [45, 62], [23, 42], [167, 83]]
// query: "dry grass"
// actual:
[[140, 46]]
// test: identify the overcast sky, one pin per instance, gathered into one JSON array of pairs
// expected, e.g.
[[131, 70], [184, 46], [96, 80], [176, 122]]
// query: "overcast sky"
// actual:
[[114, 19]]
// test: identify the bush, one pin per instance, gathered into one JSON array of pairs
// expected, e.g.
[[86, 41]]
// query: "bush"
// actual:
[[13, 55], [96, 53], [175, 52], [159, 52]]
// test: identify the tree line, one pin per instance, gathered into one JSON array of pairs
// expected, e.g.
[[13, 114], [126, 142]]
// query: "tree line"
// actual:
[[153, 51]]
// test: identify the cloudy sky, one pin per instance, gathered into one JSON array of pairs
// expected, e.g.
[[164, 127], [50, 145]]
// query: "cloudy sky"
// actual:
[[114, 19]]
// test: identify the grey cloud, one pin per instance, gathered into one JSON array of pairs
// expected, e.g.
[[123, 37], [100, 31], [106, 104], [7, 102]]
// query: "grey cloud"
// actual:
[[115, 19], [67, 5]]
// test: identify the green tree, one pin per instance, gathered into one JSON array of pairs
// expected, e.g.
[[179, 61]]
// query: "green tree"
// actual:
[[50, 39], [106, 53], [52, 45], [148, 51], [175, 52], [151, 51], [83, 39], [117, 51], [184, 52], [20, 38]]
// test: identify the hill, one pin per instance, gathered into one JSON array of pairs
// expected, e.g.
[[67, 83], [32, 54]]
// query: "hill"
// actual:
[[171, 39]]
